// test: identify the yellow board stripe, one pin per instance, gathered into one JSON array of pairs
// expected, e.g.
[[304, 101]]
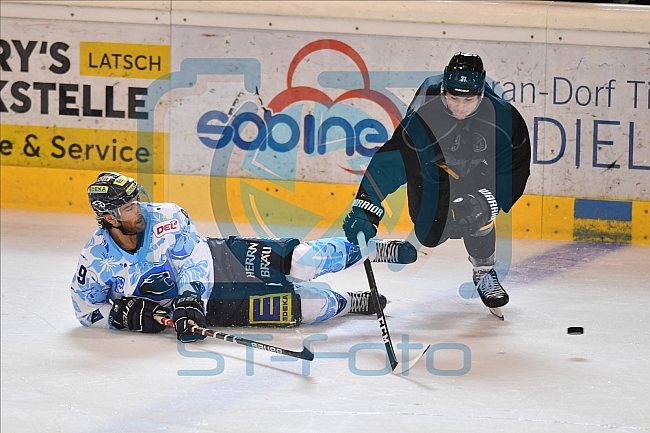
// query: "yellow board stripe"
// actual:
[[81, 148], [594, 230], [324, 205]]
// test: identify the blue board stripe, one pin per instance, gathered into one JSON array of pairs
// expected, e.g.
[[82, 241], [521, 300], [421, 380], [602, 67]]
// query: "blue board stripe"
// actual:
[[602, 210]]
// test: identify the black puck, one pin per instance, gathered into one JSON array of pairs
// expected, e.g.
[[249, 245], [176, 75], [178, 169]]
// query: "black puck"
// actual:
[[575, 330]]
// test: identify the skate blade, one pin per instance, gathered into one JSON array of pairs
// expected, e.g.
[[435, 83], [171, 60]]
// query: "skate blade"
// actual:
[[498, 313]]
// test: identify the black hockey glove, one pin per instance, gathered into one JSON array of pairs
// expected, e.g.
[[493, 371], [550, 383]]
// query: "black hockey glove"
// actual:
[[137, 314], [364, 217], [473, 211], [189, 307]]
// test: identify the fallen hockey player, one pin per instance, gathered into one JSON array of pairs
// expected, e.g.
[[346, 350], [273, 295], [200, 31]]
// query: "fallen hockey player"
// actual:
[[147, 260]]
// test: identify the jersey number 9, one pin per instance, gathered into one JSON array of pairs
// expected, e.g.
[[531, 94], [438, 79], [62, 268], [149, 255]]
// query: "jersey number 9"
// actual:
[[81, 276]]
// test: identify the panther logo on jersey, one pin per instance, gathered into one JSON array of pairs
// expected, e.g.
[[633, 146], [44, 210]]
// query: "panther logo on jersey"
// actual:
[[479, 143], [159, 284]]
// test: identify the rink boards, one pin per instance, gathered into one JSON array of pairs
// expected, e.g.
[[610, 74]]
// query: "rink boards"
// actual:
[[319, 208], [266, 117]]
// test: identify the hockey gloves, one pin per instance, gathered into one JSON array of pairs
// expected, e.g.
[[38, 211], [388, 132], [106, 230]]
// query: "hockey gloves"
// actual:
[[137, 314], [364, 217], [188, 311], [473, 211]]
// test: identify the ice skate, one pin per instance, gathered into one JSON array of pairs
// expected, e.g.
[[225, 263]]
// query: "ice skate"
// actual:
[[361, 303], [492, 293], [395, 251]]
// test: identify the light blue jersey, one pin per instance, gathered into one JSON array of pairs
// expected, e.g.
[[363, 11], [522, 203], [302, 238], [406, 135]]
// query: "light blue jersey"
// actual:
[[170, 256]]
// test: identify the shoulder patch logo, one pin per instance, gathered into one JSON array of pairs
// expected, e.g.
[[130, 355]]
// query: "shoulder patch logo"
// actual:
[[166, 227]]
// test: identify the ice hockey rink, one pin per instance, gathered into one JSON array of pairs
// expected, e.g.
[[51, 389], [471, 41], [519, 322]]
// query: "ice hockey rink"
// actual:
[[481, 374]]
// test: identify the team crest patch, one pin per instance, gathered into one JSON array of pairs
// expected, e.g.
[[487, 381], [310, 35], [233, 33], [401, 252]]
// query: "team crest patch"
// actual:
[[166, 227], [272, 309], [96, 316]]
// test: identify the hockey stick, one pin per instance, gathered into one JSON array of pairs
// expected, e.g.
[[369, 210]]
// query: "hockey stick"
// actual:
[[306, 354], [385, 335]]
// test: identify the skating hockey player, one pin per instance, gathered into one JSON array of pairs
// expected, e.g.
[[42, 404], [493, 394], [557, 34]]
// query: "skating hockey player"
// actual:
[[147, 259], [464, 154]]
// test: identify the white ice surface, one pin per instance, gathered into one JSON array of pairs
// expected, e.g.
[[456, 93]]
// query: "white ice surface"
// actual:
[[526, 375]]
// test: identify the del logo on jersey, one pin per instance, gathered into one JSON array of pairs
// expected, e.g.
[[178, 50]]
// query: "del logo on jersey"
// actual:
[[165, 227]]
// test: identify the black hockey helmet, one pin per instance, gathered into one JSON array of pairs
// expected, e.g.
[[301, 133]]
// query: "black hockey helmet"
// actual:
[[464, 75], [111, 191]]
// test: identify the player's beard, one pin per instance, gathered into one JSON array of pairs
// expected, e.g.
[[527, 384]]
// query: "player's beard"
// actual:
[[140, 224], [133, 227]]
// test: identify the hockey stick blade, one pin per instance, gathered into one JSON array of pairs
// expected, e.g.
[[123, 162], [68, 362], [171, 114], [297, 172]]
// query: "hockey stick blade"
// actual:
[[305, 354], [374, 292], [411, 363]]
